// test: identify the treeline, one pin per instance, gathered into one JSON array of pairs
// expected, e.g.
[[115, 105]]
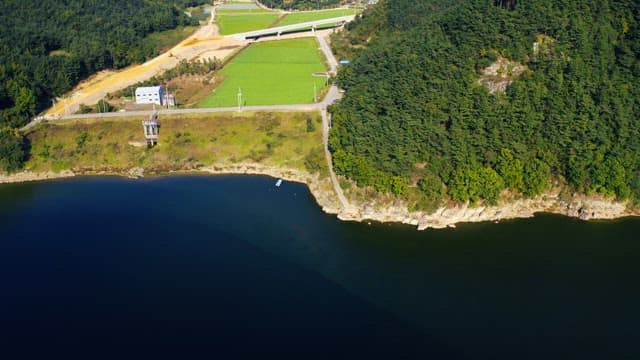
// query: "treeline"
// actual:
[[300, 4], [415, 117], [48, 46]]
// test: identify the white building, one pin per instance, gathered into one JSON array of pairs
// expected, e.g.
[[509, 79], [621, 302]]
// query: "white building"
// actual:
[[149, 95], [169, 100]]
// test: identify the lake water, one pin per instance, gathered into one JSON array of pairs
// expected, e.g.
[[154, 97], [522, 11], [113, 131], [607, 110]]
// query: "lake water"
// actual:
[[232, 267]]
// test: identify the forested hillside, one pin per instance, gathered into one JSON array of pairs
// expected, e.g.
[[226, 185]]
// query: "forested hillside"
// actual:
[[47, 46], [300, 4], [416, 119]]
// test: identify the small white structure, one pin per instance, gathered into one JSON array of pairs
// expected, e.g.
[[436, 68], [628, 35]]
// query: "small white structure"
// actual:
[[151, 130], [169, 100], [149, 95]]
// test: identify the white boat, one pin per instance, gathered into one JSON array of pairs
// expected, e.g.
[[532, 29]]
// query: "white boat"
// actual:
[[279, 182]]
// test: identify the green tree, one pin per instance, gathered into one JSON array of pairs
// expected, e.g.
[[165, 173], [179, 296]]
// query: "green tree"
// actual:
[[432, 187], [511, 170], [311, 127], [399, 186], [12, 151], [491, 184], [536, 177]]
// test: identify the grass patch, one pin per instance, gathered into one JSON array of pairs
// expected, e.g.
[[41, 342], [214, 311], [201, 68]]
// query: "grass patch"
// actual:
[[186, 142], [307, 16], [269, 73]]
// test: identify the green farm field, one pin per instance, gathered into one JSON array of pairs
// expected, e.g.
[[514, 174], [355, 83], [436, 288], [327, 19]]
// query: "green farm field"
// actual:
[[306, 16], [237, 21], [271, 73]]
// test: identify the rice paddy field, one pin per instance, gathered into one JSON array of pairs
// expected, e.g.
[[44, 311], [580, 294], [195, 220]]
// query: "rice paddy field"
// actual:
[[234, 21], [306, 16], [242, 17], [271, 73]]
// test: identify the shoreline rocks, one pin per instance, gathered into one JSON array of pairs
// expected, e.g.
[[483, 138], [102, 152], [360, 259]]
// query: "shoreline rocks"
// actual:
[[577, 206]]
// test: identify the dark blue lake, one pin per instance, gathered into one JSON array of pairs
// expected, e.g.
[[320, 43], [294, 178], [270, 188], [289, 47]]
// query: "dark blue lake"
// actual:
[[224, 267]]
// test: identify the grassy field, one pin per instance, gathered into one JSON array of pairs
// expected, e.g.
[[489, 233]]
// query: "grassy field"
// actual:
[[243, 20], [292, 140], [273, 72], [306, 16], [237, 21]]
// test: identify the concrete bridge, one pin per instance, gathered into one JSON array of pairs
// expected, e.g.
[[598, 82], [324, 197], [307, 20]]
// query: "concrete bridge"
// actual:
[[288, 28]]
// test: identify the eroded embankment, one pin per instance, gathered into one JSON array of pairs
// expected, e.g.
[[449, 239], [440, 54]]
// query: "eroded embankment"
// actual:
[[578, 206]]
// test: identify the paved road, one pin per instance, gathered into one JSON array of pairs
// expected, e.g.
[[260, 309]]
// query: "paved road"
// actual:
[[327, 154], [332, 95], [331, 59]]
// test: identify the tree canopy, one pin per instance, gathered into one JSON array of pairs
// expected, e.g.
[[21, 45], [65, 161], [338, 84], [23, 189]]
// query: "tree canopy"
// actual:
[[414, 108], [13, 151]]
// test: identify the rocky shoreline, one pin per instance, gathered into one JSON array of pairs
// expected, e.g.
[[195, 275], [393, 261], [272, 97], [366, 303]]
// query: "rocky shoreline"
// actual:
[[576, 205]]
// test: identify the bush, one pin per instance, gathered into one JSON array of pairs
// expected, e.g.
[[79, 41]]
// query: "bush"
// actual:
[[315, 162], [310, 125], [13, 151]]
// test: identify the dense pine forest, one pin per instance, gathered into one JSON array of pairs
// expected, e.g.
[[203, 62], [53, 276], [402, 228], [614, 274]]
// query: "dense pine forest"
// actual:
[[418, 116], [47, 46]]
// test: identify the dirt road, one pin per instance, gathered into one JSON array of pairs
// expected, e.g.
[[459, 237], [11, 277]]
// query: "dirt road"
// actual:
[[204, 40]]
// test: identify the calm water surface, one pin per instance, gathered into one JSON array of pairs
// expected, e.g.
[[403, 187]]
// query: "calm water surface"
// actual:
[[231, 267]]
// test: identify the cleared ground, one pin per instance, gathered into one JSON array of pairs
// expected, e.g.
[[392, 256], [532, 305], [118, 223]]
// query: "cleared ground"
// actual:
[[89, 92], [300, 17], [273, 72], [186, 142]]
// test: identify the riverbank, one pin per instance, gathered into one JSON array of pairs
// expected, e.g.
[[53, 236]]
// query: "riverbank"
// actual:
[[320, 187], [577, 206], [285, 145]]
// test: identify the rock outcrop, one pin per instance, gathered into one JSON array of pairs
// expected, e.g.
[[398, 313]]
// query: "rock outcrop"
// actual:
[[579, 206], [499, 75]]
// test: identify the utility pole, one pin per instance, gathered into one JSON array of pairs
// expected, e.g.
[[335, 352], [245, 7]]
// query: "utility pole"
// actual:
[[315, 96], [239, 99]]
